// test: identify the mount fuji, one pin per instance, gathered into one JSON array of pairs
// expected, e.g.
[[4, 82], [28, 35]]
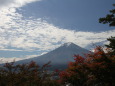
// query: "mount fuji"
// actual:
[[59, 57]]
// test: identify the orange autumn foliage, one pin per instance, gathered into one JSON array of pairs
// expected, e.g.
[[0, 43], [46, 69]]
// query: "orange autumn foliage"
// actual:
[[96, 68]]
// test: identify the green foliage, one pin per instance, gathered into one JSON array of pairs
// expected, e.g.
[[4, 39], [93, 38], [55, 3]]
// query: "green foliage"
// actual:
[[111, 44], [110, 18]]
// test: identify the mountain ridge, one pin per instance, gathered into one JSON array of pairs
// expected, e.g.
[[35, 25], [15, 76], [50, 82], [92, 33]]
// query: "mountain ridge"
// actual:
[[59, 56]]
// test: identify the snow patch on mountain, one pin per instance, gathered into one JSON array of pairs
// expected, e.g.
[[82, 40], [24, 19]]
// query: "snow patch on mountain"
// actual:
[[67, 44]]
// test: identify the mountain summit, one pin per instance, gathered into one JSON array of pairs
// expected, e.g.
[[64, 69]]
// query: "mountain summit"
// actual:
[[60, 56], [68, 44]]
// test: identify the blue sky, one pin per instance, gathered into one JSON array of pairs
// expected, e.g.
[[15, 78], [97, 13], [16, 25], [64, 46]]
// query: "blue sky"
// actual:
[[30, 28], [71, 14]]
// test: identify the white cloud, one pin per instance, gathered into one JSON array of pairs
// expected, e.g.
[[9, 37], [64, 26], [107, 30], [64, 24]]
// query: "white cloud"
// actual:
[[13, 59], [14, 3], [30, 34], [3, 49], [8, 11], [38, 34]]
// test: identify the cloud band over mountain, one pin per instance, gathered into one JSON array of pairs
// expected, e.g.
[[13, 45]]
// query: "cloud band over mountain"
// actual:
[[32, 33]]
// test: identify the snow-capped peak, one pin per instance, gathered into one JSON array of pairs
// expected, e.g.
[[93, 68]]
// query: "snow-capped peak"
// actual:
[[67, 44]]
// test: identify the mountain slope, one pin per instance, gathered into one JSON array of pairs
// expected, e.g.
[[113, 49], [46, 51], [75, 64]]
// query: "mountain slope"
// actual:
[[60, 56]]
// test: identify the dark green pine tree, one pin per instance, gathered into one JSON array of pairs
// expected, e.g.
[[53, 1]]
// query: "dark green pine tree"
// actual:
[[110, 19], [111, 44]]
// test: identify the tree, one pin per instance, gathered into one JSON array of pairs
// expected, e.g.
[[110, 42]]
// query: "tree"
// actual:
[[25, 75], [76, 73], [110, 18], [101, 66], [111, 44], [96, 70]]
